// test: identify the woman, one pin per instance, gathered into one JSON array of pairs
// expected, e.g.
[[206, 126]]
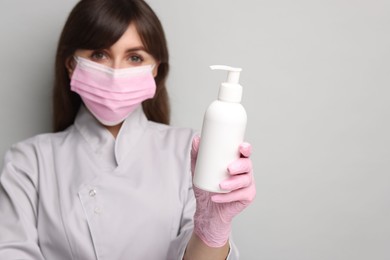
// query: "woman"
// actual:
[[113, 181]]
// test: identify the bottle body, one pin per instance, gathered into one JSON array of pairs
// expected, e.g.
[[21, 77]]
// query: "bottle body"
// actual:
[[223, 131]]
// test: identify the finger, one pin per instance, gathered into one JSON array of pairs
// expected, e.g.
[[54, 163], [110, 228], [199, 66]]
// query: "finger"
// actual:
[[245, 149], [195, 146], [244, 195], [194, 152], [236, 182], [239, 166]]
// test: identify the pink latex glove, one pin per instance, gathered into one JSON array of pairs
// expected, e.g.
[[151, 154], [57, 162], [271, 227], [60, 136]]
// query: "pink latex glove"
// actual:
[[215, 211]]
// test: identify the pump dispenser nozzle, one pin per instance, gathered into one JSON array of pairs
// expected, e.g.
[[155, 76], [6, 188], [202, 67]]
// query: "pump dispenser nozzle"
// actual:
[[233, 75], [230, 90]]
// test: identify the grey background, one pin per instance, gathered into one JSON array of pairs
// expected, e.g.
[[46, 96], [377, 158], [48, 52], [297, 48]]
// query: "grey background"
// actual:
[[316, 89]]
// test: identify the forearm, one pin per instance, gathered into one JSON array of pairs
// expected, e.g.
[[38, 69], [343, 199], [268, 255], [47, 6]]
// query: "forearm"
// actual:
[[197, 249]]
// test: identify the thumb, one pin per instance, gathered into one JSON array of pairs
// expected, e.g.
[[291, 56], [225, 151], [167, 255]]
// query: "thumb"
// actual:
[[245, 149]]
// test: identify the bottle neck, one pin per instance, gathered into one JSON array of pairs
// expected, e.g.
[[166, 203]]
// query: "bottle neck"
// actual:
[[229, 92]]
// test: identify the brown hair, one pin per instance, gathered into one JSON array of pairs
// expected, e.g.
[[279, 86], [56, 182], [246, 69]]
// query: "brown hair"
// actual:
[[98, 24]]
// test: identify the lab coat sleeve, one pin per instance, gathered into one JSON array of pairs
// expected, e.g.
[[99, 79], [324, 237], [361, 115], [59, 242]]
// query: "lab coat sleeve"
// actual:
[[18, 206], [179, 244]]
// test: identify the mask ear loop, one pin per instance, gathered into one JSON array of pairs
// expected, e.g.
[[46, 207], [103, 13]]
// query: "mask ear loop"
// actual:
[[74, 62], [76, 58], [70, 65]]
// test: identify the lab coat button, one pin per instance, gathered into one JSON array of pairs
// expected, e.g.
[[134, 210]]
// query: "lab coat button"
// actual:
[[98, 210], [92, 193]]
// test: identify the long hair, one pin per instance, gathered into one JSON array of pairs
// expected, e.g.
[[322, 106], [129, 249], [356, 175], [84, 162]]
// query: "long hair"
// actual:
[[98, 24]]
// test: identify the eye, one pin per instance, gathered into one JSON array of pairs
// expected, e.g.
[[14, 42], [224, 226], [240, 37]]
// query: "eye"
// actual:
[[98, 55], [136, 59]]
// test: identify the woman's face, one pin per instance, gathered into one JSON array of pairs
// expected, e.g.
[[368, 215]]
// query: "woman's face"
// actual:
[[127, 52]]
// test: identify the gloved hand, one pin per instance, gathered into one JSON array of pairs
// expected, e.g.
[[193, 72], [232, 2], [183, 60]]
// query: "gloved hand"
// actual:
[[215, 211]]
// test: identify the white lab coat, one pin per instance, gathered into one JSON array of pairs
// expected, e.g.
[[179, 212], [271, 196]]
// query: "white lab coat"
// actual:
[[81, 194]]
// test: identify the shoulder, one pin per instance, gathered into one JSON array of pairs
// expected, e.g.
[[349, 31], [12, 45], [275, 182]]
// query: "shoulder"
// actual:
[[169, 133], [168, 128], [28, 152], [24, 160], [171, 142]]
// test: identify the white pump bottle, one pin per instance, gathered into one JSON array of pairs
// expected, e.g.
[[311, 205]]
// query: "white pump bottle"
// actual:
[[223, 131]]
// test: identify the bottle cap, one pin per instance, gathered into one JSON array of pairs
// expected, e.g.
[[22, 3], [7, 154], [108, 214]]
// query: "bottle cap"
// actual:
[[231, 90]]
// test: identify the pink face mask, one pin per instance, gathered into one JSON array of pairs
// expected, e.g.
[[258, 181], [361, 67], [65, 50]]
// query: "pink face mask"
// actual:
[[112, 94]]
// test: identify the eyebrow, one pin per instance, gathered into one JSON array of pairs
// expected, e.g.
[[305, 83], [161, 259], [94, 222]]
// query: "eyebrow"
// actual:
[[138, 48]]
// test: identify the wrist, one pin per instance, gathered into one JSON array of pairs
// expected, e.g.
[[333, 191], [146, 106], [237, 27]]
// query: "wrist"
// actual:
[[211, 229], [197, 249]]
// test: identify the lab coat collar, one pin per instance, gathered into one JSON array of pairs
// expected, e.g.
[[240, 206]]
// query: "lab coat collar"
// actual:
[[110, 150]]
